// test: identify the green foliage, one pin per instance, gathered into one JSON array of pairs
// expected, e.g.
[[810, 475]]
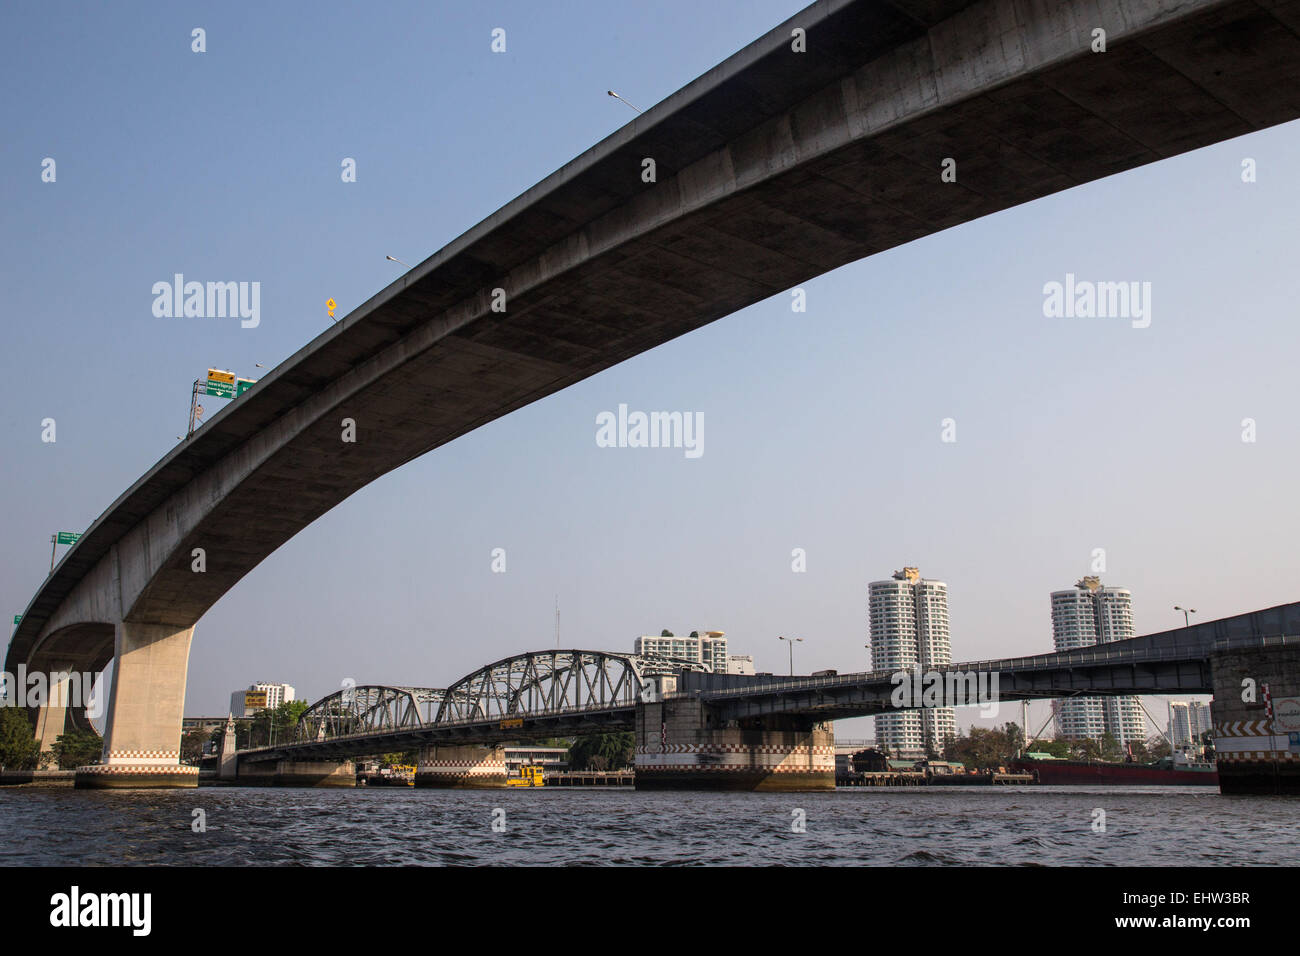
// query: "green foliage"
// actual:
[[77, 748], [192, 745], [276, 726], [985, 749], [602, 751], [1159, 749], [1110, 748], [1057, 748], [18, 747]]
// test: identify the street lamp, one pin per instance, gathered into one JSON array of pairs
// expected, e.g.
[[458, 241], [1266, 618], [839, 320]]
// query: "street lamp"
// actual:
[[617, 97], [1186, 611], [397, 260], [791, 641]]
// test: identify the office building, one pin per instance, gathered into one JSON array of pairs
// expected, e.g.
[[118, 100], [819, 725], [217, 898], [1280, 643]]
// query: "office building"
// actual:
[[260, 696]]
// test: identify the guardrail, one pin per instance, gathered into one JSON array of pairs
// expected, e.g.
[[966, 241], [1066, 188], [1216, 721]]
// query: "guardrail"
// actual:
[[1099, 654]]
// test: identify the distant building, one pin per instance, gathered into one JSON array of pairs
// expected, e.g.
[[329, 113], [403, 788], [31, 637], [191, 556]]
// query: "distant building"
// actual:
[[206, 724], [1188, 719], [1087, 615], [702, 647], [908, 627], [740, 664], [260, 696], [551, 758]]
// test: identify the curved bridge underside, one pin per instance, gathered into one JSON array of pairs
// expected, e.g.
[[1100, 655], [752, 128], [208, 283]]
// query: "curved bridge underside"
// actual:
[[772, 168]]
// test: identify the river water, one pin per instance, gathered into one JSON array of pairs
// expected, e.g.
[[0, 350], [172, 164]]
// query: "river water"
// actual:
[[1144, 826]]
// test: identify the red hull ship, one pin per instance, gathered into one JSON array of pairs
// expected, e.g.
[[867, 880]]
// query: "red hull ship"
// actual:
[[1104, 773]]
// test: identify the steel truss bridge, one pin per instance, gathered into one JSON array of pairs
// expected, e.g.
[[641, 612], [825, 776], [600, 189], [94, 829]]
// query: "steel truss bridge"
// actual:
[[559, 693], [538, 694]]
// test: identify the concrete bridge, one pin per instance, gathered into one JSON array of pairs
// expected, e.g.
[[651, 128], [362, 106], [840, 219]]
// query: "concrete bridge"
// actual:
[[696, 730], [820, 143]]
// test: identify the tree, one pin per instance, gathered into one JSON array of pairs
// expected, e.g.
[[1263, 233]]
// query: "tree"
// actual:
[[279, 725], [602, 751], [192, 745], [77, 748], [1015, 737], [18, 747], [1110, 748], [1056, 748], [1158, 749], [985, 749]]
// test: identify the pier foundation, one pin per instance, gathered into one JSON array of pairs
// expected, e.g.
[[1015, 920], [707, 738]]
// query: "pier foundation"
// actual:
[[1256, 753], [298, 773], [680, 746], [466, 766]]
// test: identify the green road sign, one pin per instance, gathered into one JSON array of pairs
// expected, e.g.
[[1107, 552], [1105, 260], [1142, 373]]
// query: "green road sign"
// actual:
[[17, 618], [244, 384], [67, 537], [220, 384]]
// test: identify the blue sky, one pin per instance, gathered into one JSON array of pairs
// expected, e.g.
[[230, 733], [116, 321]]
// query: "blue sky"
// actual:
[[822, 427]]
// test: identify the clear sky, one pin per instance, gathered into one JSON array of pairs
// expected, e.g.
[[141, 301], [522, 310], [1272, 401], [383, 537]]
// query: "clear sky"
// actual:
[[822, 428]]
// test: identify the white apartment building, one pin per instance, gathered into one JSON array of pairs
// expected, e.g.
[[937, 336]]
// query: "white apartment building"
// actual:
[[907, 628], [740, 664], [702, 647], [1188, 719], [244, 703], [1087, 615]]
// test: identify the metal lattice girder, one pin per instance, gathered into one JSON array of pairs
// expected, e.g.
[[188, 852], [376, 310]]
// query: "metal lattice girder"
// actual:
[[541, 682], [547, 682], [371, 708]]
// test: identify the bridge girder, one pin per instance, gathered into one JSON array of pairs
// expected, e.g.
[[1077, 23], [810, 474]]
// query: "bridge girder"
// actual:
[[369, 708]]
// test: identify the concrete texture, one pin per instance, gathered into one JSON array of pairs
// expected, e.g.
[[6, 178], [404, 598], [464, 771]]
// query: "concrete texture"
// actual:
[[1255, 754], [142, 735], [773, 167], [464, 767], [681, 745]]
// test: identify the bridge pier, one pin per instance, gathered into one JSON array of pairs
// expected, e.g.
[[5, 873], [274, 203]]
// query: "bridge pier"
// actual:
[[298, 773], [466, 766], [1255, 754], [142, 737], [680, 746], [52, 717]]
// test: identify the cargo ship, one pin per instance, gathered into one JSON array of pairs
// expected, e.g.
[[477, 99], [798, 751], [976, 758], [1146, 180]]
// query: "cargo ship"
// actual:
[[1167, 771]]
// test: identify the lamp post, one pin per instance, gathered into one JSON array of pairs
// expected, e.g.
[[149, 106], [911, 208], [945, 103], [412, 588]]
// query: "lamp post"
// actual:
[[1186, 611], [397, 260], [791, 641], [619, 98]]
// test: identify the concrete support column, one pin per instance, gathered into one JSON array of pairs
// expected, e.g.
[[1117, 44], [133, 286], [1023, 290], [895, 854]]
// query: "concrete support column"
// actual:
[[680, 746], [52, 718], [464, 766], [1256, 754], [142, 737]]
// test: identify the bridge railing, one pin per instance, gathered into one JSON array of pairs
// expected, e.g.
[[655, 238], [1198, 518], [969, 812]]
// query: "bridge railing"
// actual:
[[1098, 654]]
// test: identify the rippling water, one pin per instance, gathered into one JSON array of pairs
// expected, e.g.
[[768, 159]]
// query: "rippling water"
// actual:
[[1154, 826]]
